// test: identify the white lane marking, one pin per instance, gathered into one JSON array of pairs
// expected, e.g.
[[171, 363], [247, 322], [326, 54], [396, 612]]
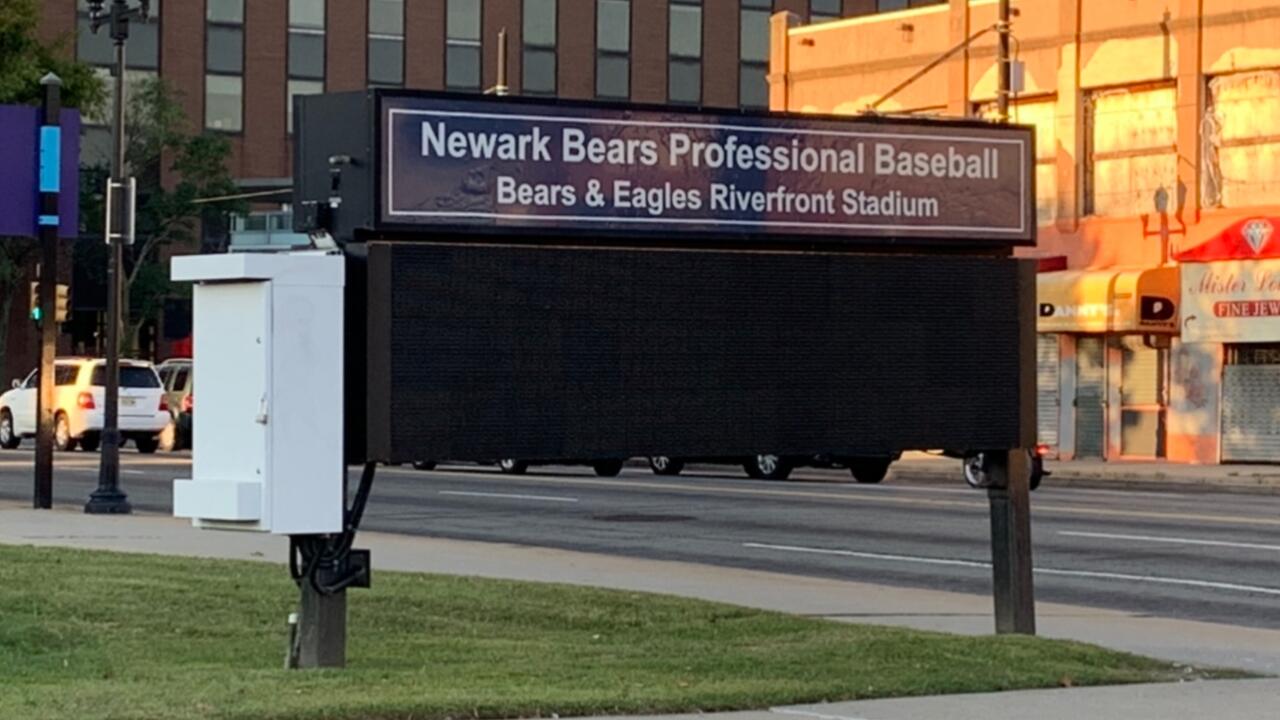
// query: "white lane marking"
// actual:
[[546, 498], [1171, 540], [868, 556], [1156, 579], [806, 713], [1159, 580]]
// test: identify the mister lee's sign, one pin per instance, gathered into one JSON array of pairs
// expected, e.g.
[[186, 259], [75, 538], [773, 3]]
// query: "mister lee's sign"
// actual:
[[1231, 301], [462, 163]]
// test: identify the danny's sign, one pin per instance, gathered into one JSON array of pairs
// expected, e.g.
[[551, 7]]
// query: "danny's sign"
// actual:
[[452, 164]]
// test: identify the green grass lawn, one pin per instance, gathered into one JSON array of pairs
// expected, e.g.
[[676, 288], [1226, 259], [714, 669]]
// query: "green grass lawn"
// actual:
[[101, 635]]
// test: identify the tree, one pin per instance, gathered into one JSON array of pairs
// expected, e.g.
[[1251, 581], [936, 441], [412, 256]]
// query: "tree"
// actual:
[[23, 61], [181, 177]]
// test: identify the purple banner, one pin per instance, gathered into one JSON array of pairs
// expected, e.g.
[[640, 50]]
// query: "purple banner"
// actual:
[[458, 163], [20, 172]]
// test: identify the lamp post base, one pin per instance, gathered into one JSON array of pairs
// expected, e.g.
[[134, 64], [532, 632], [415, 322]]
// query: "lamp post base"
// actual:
[[108, 502]]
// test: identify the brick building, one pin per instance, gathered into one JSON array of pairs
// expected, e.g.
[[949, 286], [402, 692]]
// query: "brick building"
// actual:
[[1158, 193], [238, 63]]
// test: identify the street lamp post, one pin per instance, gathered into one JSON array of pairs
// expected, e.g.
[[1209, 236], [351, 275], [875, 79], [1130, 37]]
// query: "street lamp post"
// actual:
[[109, 498]]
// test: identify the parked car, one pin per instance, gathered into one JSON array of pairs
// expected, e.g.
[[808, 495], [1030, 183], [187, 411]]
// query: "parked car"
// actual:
[[975, 469], [78, 405], [178, 378], [769, 466]]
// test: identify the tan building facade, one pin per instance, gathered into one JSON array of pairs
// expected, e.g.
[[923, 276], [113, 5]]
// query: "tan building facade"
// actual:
[[1158, 133]]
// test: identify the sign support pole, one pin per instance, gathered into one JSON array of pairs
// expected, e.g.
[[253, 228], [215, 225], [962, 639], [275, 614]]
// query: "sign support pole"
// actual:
[[1010, 499], [50, 182], [324, 566], [322, 628]]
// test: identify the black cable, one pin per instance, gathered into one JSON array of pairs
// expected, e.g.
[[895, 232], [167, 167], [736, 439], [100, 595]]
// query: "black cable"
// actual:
[[331, 550], [354, 515]]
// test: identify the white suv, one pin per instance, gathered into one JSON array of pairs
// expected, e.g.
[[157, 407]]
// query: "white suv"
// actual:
[[78, 403]]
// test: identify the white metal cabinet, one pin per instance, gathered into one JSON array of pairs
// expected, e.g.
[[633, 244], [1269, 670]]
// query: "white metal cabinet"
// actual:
[[268, 341]]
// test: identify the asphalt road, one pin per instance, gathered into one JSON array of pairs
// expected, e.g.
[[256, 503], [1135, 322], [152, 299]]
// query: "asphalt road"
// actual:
[[1202, 556]]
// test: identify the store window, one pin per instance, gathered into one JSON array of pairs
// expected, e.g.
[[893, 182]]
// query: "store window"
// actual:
[[1241, 140], [684, 37], [224, 65], [462, 45], [613, 49], [1040, 113], [1131, 138], [539, 59], [753, 53], [386, 43]]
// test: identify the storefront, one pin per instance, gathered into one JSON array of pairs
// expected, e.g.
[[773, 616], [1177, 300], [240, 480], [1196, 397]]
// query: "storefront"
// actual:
[[1231, 327], [1103, 360]]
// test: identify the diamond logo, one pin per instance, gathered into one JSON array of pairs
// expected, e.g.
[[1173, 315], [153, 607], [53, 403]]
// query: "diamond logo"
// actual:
[[1257, 233]]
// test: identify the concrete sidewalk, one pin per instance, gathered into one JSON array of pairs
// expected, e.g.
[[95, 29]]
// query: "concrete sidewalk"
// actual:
[[1193, 643], [1114, 474], [1230, 699]]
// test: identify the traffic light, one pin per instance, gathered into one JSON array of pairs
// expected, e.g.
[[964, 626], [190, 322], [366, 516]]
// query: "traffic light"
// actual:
[[61, 304]]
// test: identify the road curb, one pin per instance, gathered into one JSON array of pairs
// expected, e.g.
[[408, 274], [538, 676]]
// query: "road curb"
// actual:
[[1245, 485]]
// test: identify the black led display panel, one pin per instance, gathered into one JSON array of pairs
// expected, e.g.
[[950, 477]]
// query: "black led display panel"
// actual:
[[476, 352]]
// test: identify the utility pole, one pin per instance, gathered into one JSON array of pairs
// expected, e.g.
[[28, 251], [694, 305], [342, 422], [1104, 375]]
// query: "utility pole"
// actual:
[[1009, 496], [108, 498], [50, 185], [1006, 69]]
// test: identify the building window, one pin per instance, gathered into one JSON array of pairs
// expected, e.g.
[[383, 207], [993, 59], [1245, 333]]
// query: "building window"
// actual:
[[891, 5], [684, 37], [224, 102], [753, 49], [1040, 113], [386, 43], [306, 51], [1131, 153], [539, 37], [462, 46], [224, 65], [225, 11], [824, 10], [1241, 143], [613, 49]]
